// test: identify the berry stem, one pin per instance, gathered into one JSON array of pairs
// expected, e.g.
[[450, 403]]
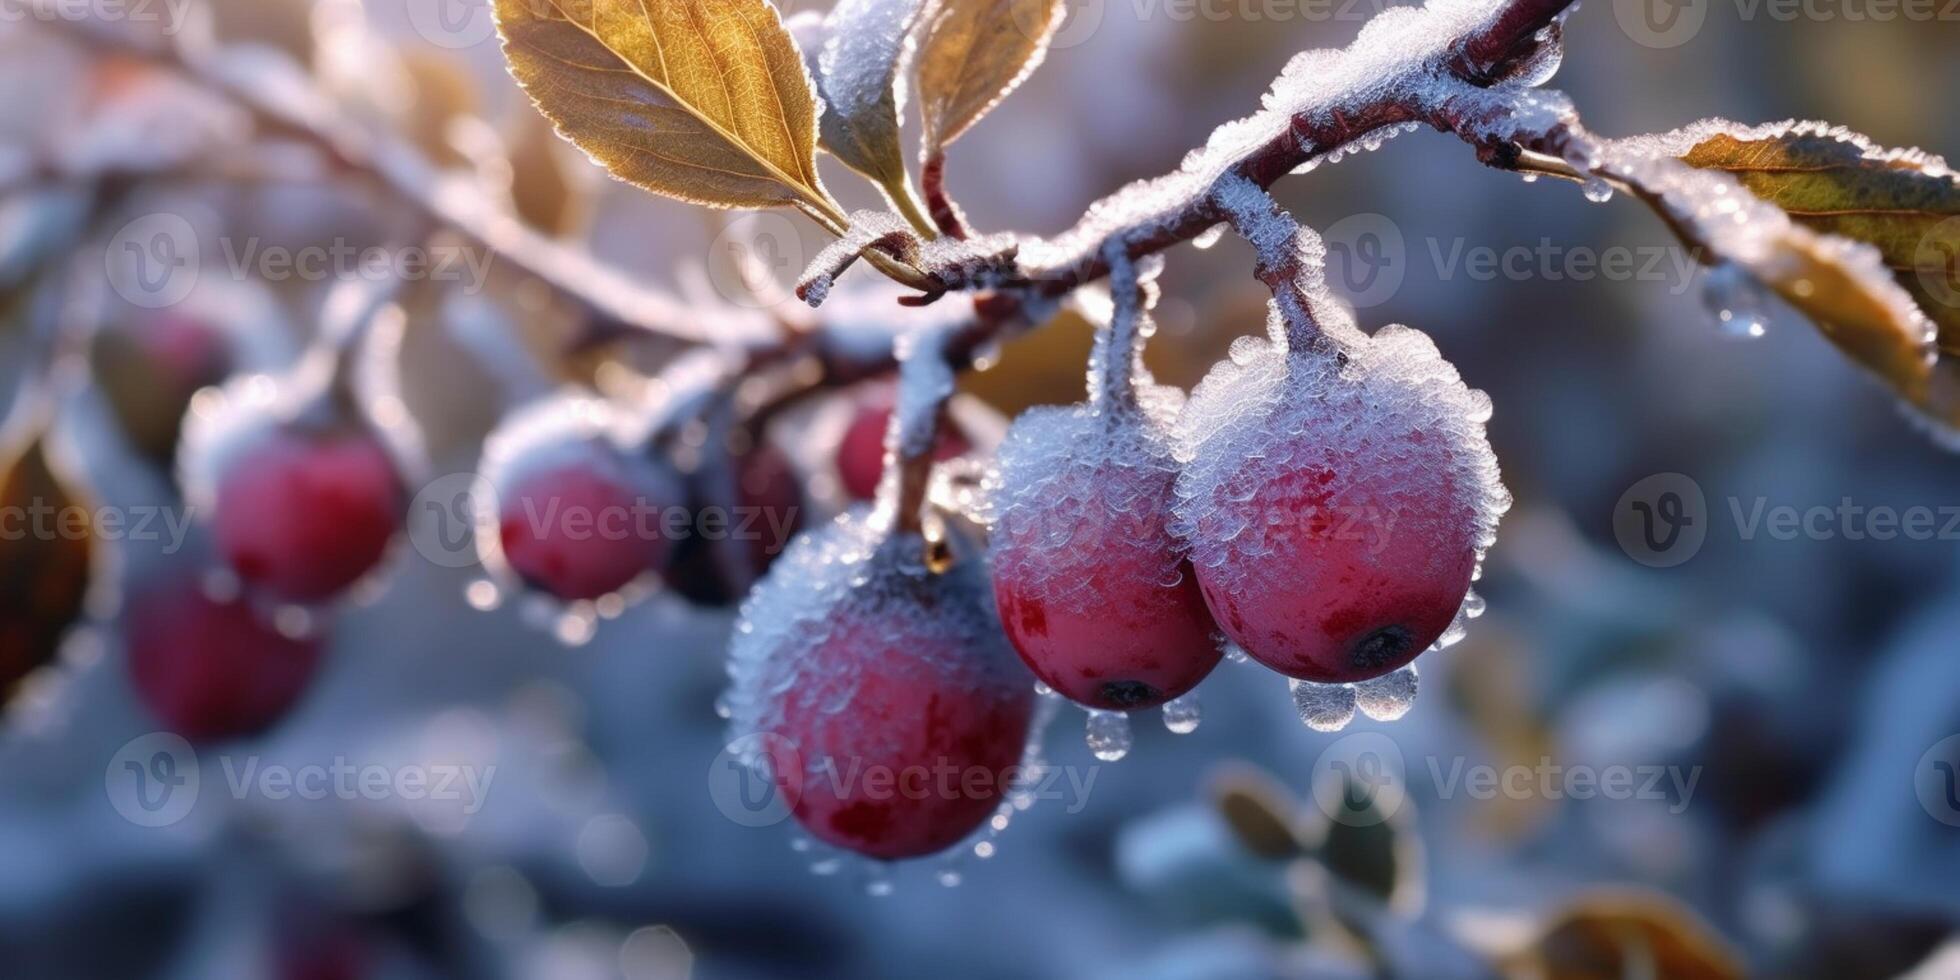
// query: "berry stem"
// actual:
[[1119, 344]]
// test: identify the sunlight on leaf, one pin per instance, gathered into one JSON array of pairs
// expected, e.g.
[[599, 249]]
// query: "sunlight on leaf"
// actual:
[[703, 100], [972, 54], [866, 42]]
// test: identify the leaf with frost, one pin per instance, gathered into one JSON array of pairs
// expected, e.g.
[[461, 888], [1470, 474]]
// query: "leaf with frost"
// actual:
[[863, 90], [1836, 182], [703, 100], [1842, 283], [972, 53]]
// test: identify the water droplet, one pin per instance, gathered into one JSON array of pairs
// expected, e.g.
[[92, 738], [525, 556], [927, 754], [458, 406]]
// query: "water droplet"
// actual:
[[723, 709], [1181, 714], [1108, 735], [1473, 605], [949, 878], [1042, 690], [984, 849], [1597, 190], [1323, 707], [1530, 178], [878, 887], [1737, 301], [483, 595], [1209, 236], [827, 866], [1388, 697]]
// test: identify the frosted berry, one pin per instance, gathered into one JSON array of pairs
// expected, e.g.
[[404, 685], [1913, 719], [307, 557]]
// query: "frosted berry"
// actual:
[[209, 669], [576, 515], [893, 708], [303, 510], [861, 453], [1093, 590], [1337, 503]]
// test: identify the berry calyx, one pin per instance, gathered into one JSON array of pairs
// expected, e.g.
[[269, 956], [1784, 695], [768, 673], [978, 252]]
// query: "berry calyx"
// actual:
[[892, 708], [1093, 590], [1337, 500], [211, 669], [574, 514], [861, 452]]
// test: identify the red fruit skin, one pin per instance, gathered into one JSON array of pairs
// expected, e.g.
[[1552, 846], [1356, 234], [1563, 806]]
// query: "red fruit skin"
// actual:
[[884, 793], [304, 513], [861, 453], [578, 533], [1342, 597], [1142, 643], [210, 670], [770, 496]]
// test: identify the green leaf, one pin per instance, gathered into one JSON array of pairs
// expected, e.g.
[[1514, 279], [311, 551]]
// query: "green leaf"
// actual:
[[703, 100]]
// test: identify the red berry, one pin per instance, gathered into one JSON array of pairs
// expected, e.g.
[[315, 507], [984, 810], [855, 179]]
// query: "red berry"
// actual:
[[895, 709], [1337, 505], [302, 511], [210, 669], [769, 510], [577, 516], [861, 453], [1093, 590]]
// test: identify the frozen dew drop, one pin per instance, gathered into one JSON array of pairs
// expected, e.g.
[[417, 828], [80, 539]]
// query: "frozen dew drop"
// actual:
[[1181, 714], [1597, 190], [1209, 236], [799, 844], [878, 887], [1736, 300], [949, 878], [1233, 652], [1108, 735], [1473, 605], [723, 709], [1042, 690], [827, 866], [1323, 707], [1388, 697], [983, 850], [1531, 178], [1454, 634]]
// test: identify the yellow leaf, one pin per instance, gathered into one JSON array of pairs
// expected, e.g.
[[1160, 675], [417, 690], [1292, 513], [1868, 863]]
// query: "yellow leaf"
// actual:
[[707, 101], [1832, 225], [972, 54]]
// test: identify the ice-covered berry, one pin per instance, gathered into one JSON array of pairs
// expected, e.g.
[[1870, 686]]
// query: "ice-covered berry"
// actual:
[[1337, 500], [1093, 590], [148, 368], [211, 669], [895, 710], [575, 513]]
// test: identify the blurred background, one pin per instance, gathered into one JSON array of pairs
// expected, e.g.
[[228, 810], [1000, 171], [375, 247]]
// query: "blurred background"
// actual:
[[1731, 753]]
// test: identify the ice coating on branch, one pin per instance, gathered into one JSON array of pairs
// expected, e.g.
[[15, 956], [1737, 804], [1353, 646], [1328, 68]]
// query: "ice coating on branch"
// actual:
[[1400, 60], [973, 263], [1291, 260]]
